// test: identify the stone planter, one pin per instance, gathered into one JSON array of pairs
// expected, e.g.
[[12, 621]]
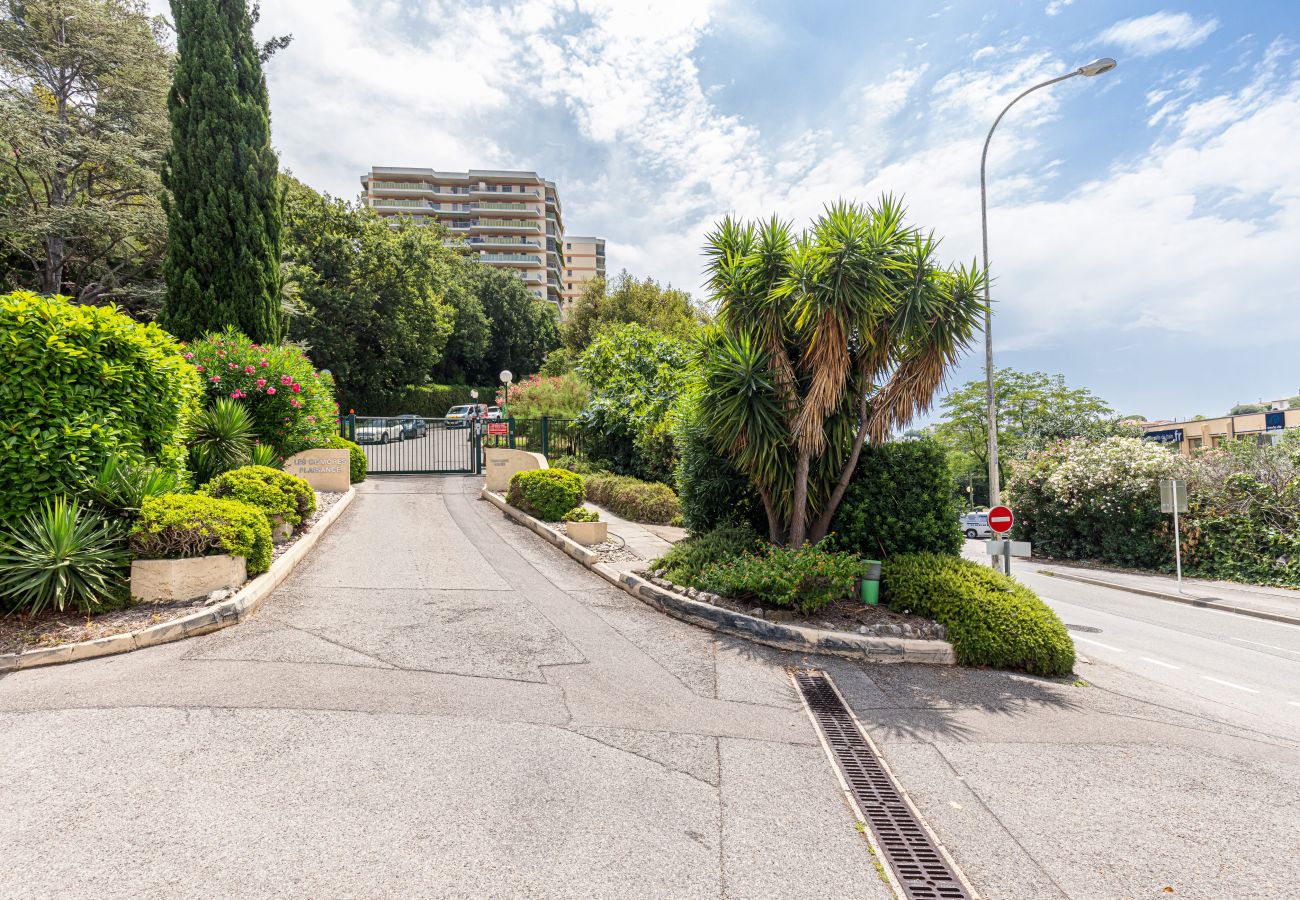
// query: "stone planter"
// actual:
[[587, 533], [281, 531], [170, 580]]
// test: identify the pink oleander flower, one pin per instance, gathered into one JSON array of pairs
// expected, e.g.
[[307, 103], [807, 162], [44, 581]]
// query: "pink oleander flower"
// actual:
[[262, 363], [270, 390], [286, 380], [230, 365], [261, 382], [296, 404], [189, 355], [198, 368], [215, 379], [248, 370], [297, 388]]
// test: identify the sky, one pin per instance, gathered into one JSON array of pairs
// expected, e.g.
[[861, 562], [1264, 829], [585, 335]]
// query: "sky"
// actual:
[[1144, 225]]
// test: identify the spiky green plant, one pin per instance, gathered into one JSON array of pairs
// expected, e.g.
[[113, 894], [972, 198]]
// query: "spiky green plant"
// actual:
[[223, 439], [121, 488], [61, 556], [823, 341], [265, 455]]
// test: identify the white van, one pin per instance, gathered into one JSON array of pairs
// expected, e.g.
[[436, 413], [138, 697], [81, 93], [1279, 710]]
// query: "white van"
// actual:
[[976, 525]]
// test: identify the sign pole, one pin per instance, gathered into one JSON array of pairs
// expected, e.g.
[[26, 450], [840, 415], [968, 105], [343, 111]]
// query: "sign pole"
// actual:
[[1178, 546]]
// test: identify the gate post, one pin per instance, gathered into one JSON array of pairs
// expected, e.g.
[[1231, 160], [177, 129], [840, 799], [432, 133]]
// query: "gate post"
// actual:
[[546, 436], [510, 438]]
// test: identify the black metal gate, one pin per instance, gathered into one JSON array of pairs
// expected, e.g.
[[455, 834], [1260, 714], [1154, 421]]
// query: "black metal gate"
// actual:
[[410, 445]]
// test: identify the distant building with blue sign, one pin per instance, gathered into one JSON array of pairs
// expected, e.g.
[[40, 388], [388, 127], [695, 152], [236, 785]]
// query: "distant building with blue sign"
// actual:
[[1203, 434]]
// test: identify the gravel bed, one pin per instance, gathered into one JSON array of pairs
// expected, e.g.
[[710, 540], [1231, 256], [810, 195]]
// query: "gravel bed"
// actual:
[[19, 633]]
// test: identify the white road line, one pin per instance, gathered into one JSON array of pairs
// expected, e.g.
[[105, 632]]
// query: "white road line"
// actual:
[[1293, 702], [1269, 646], [1160, 663], [1230, 684], [1096, 643]]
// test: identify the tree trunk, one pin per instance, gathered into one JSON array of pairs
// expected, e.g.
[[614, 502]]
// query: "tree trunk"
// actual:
[[799, 506], [52, 273], [823, 523], [774, 532]]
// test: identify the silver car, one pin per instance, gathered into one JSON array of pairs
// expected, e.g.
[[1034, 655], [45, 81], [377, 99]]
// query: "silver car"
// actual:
[[976, 525]]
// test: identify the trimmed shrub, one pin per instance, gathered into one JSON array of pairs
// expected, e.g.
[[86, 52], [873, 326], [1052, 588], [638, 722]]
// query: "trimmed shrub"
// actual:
[[278, 494], [577, 464], [180, 526], [992, 620], [61, 556], [545, 493], [807, 578], [79, 385], [900, 501], [358, 466], [291, 404], [581, 514], [687, 559], [631, 498]]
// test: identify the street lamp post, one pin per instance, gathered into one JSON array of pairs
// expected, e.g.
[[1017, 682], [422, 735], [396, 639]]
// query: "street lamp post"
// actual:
[[1096, 67]]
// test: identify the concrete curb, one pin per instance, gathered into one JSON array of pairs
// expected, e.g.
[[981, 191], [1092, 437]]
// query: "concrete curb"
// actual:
[[1177, 598], [750, 628], [213, 618]]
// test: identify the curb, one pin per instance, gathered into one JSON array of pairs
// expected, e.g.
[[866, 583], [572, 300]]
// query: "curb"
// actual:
[[760, 631], [222, 615], [1177, 598]]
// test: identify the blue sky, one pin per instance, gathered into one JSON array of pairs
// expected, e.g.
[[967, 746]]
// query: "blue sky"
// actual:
[[1145, 225]]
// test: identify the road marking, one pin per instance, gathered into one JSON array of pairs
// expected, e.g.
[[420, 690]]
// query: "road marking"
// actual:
[[1097, 643], [1269, 646], [1160, 663], [1294, 702], [1230, 684]]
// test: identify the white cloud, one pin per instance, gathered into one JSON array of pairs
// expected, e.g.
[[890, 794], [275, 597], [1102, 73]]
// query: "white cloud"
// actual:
[[1055, 6], [1158, 32]]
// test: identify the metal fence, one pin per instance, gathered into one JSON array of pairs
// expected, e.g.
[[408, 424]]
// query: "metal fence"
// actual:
[[410, 445]]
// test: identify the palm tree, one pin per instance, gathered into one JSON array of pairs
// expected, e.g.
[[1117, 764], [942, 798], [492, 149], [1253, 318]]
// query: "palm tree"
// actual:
[[822, 342]]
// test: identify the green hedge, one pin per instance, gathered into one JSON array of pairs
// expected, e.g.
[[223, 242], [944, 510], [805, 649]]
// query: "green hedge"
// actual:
[[181, 526], [631, 498], [808, 578], [992, 620], [684, 562], [278, 494], [79, 385], [430, 401], [545, 493], [358, 465]]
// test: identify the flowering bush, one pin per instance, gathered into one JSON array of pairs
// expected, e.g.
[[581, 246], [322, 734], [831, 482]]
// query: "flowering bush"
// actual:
[[291, 404], [532, 398]]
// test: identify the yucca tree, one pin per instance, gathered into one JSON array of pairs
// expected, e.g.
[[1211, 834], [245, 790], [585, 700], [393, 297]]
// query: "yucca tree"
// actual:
[[824, 341]]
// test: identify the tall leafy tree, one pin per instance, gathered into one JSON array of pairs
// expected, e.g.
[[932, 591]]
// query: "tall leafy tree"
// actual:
[[83, 130], [224, 215], [522, 329], [824, 341], [627, 299]]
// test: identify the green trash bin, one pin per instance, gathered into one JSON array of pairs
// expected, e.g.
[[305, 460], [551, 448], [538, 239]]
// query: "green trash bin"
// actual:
[[869, 584]]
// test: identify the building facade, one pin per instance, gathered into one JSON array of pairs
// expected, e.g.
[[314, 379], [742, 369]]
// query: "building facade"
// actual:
[[584, 260], [1204, 434], [512, 219]]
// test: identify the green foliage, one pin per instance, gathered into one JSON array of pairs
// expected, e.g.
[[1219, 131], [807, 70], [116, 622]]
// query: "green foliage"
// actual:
[[992, 620], [278, 494], [663, 309], [577, 464], [121, 488], [900, 501], [265, 455], [82, 384], [824, 341], [562, 395], [545, 493], [371, 296], [223, 204], [181, 526], [559, 361], [223, 439], [581, 514], [1242, 409], [358, 465], [633, 499], [635, 376], [62, 556], [684, 562], [807, 578], [291, 404], [83, 129], [430, 401], [712, 491]]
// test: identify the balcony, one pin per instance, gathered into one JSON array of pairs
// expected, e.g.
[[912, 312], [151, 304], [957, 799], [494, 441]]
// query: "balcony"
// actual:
[[498, 190], [511, 225], [513, 207], [531, 278], [517, 259], [501, 240], [397, 203]]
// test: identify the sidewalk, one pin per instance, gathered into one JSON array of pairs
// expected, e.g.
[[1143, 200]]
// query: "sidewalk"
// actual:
[[647, 541]]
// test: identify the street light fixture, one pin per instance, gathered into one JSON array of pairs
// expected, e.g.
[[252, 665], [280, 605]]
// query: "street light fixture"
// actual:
[[1096, 67]]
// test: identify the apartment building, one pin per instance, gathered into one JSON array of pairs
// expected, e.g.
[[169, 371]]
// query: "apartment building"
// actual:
[[584, 259], [1203, 434], [513, 219]]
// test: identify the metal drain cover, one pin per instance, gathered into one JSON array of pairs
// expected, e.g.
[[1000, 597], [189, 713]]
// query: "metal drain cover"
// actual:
[[921, 870], [1086, 629]]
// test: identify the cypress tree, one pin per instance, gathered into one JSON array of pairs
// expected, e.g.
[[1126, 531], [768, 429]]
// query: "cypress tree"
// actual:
[[223, 247]]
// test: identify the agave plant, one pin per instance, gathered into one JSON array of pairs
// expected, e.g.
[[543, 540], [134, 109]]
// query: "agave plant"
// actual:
[[822, 342], [223, 439], [121, 488], [61, 556], [265, 455]]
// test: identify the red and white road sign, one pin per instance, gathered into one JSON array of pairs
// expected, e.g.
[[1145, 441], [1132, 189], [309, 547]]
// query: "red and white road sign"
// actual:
[[499, 428], [1001, 519]]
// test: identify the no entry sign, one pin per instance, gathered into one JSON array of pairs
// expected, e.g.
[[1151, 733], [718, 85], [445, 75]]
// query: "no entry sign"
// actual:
[[1001, 519]]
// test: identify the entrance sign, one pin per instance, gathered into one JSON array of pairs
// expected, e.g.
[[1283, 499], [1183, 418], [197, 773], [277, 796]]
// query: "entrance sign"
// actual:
[[1173, 499], [1001, 519], [324, 470]]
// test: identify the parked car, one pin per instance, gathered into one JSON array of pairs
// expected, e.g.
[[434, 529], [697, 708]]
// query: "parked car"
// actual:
[[413, 426], [976, 525], [462, 416], [494, 414], [380, 431]]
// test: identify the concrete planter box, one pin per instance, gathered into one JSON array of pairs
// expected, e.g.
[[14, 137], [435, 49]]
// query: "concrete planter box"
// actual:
[[169, 580], [281, 531], [587, 533]]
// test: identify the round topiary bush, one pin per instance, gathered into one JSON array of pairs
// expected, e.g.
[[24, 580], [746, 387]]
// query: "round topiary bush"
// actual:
[[546, 493], [80, 385], [358, 466], [181, 526], [278, 494]]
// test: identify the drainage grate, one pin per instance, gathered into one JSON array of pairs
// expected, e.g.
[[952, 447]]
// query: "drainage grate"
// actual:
[[922, 871], [1087, 629]]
